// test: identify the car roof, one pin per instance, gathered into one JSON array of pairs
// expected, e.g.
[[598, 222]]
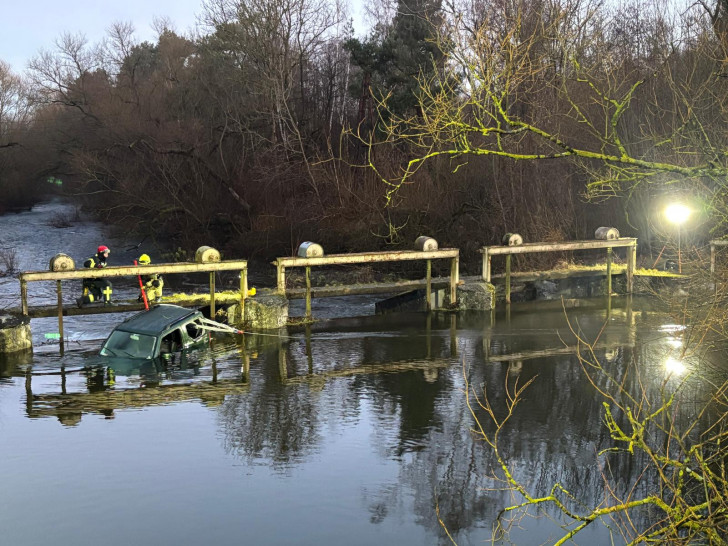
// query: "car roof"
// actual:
[[158, 319]]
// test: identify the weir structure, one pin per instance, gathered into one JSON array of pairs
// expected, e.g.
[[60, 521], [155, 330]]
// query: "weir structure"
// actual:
[[425, 253], [629, 242], [128, 271], [452, 254]]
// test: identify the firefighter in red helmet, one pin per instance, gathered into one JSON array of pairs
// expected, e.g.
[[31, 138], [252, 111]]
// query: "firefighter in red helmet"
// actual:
[[101, 254], [96, 290]]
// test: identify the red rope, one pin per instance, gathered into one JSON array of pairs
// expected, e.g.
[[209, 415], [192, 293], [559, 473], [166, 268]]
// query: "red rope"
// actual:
[[141, 287]]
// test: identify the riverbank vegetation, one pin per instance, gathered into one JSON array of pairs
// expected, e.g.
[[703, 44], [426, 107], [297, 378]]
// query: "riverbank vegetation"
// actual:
[[274, 124]]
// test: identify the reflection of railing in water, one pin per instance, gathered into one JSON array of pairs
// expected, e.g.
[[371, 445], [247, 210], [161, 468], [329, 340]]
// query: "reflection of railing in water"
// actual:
[[625, 313], [392, 367], [210, 393], [546, 353], [367, 369], [70, 406]]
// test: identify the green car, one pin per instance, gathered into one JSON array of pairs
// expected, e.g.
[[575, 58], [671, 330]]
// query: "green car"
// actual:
[[159, 332]]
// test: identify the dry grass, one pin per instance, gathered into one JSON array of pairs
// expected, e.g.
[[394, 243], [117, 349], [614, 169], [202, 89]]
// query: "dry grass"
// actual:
[[8, 261], [64, 219]]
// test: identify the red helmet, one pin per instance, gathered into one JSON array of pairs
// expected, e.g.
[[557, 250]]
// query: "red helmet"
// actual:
[[103, 249]]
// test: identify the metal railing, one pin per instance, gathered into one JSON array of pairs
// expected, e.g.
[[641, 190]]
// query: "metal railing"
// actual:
[[629, 242], [128, 271], [453, 254]]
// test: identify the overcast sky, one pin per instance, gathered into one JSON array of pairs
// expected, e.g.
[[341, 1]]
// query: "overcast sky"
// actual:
[[26, 26]]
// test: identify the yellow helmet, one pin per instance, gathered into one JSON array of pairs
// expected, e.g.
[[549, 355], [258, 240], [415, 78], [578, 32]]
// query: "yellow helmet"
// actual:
[[145, 259]]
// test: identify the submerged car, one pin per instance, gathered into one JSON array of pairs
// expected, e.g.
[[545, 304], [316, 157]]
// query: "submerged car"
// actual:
[[159, 332]]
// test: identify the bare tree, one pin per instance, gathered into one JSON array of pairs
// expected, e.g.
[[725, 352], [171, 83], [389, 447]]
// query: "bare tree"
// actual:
[[14, 107]]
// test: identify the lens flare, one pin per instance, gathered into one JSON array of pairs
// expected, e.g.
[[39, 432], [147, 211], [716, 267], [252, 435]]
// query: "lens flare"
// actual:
[[675, 366]]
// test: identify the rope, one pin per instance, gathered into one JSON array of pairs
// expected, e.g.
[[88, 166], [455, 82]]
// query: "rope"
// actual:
[[213, 326]]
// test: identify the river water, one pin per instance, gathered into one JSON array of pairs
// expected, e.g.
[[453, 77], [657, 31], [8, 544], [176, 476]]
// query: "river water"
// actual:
[[352, 431]]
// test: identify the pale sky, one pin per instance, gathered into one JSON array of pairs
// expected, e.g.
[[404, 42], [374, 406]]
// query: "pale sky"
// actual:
[[26, 26], [29, 25]]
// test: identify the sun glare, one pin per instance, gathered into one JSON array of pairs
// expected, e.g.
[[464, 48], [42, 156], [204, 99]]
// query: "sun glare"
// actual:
[[675, 366], [677, 213]]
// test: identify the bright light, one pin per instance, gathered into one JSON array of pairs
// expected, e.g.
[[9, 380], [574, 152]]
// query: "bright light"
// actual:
[[677, 213], [675, 366]]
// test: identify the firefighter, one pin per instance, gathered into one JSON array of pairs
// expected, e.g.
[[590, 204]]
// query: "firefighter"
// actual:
[[96, 290], [152, 284]]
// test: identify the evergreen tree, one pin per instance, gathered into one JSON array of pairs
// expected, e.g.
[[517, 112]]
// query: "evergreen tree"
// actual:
[[392, 58]]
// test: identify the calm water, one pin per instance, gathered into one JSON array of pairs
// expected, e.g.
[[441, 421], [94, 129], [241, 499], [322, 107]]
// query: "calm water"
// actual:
[[352, 431]]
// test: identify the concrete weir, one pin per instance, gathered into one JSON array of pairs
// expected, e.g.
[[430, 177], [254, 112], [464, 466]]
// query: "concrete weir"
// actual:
[[473, 294], [15, 334], [263, 312]]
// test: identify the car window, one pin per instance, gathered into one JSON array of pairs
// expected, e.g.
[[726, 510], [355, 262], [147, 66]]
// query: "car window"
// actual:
[[172, 342], [129, 344], [194, 330]]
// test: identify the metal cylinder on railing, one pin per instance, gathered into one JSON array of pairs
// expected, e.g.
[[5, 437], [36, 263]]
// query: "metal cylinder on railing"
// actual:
[[61, 262], [606, 233], [512, 239], [206, 255], [310, 250], [425, 244]]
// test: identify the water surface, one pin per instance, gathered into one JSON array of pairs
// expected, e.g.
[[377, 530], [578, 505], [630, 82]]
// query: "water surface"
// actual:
[[352, 431]]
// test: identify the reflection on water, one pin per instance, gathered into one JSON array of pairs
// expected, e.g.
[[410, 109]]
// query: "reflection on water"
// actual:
[[364, 417], [352, 430]]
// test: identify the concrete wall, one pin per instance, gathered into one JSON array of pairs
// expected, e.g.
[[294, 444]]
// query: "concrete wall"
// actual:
[[14, 334], [261, 312], [473, 295]]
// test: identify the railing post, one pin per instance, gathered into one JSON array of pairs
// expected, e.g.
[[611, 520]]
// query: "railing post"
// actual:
[[609, 271], [508, 278], [631, 264], [454, 279], [212, 295], [24, 296], [308, 292], [280, 277], [243, 292], [428, 294], [60, 313], [486, 265]]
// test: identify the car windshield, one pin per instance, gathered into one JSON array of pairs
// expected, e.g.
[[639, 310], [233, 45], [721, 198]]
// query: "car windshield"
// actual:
[[129, 345]]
